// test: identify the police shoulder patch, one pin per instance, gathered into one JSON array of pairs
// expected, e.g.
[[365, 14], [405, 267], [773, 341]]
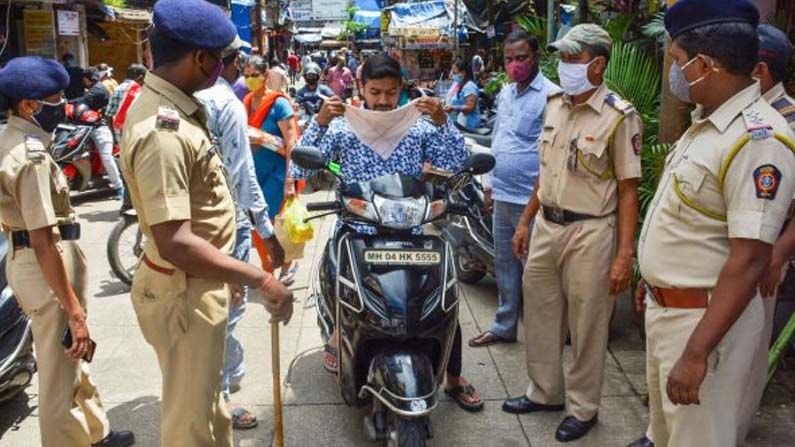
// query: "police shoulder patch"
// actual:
[[167, 119], [756, 125], [619, 103], [35, 149], [766, 180], [786, 107]]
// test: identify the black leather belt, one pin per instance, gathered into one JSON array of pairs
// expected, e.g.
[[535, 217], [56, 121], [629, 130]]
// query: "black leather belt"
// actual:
[[564, 217], [69, 232]]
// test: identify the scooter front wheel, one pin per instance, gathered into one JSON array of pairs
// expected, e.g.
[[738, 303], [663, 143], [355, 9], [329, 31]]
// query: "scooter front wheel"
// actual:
[[405, 432]]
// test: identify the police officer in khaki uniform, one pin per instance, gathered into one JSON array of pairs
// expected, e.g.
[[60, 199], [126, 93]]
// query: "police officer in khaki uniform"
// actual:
[[178, 187], [581, 252], [775, 51], [46, 268], [708, 235]]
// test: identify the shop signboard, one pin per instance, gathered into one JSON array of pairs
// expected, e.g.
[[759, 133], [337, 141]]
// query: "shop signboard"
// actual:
[[39, 32], [68, 23], [302, 10], [330, 9]]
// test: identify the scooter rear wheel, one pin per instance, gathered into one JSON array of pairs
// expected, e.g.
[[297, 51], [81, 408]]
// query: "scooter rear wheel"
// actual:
[[466, 270]]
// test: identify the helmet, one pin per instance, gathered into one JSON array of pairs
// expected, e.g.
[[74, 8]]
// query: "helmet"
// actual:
[[312, 69]]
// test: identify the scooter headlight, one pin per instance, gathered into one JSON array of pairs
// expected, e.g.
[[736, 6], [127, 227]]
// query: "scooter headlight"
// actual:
[[361, 208], [400, 214]]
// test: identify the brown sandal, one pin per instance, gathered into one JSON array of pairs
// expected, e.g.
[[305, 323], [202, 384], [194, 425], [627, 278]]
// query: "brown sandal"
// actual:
[[487, 339]]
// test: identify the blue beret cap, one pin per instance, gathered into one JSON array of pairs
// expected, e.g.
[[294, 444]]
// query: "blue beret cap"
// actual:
[[197, 23], [32, 77], [686, 15], [774, 45]]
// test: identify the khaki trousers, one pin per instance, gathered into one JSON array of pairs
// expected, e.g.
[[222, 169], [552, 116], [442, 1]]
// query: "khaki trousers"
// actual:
[[70, 409], [757, 378], [184, 319], [566, 289], [713, 422]]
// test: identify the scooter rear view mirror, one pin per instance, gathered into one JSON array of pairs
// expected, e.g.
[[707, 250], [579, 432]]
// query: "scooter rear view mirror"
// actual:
[[479, 163], [308, 157]]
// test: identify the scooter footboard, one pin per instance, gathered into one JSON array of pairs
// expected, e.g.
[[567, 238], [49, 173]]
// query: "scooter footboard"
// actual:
[[403, 381]]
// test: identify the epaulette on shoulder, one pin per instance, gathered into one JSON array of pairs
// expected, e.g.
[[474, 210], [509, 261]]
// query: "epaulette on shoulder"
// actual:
[[756, 125], [619, 103], [34, 149], [785, 107]]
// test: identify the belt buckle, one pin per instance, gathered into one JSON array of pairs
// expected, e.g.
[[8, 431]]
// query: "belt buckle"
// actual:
[[558, 216]]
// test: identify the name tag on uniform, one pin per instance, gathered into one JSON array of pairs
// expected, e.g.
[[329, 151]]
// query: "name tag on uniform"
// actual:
[[35, 149], [167, 119]]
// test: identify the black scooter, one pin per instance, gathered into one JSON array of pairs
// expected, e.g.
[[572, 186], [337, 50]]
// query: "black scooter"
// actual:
[[17, 364], [391, 296], [470, 236]]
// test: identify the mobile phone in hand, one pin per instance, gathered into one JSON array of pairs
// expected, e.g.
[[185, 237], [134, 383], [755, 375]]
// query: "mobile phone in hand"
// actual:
[[66, 341]]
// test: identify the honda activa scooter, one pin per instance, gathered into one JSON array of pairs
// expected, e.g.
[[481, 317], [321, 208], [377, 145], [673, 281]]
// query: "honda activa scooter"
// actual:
[[17, 364], [390, 296]]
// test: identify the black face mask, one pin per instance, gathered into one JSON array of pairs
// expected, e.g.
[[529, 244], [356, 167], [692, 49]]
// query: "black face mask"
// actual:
[[50, 115]]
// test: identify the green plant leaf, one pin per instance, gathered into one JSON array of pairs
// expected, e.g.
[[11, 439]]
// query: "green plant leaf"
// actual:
[[635, 75]]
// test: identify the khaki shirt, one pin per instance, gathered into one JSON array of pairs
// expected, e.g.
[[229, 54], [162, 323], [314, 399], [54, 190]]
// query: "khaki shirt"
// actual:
[[683, 247], [585, 149], [34, 193], [782, 102], [173, 170]]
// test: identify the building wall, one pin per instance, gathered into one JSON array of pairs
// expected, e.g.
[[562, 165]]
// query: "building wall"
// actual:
[[120, 51]]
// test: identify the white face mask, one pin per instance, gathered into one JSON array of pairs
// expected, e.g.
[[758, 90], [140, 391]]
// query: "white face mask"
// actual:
[[382, 131], [574, 78]]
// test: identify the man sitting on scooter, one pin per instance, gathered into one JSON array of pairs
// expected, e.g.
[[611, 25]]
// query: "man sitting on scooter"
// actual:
[[309, 96], [433, 139]]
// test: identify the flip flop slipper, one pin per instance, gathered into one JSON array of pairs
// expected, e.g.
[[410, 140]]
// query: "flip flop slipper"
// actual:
[[456, 392], [239, 414], [287, 277], [490, 339], [332, 351]]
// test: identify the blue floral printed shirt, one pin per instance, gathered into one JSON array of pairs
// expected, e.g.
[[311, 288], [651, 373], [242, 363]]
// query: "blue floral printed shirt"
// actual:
[[443, 147]]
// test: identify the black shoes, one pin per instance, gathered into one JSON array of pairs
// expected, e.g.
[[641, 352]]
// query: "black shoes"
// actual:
[[521, 405], [116, 439], [642, 442], [572, 428]]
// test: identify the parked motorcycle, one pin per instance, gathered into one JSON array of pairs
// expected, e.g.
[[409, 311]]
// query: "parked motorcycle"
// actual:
[[17, 364], [482, 135], [74, 150], [391, 297], [470, 235], [125, 243]]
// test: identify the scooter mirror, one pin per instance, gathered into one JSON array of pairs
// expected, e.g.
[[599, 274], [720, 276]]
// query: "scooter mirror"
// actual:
[[479, 163], [308, 157]]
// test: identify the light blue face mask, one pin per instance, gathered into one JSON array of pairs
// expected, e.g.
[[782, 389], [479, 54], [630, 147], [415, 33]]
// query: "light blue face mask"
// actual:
[[458, 79], [678, 83]]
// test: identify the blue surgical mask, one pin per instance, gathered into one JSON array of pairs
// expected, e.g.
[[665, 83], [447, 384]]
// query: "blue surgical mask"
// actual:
[[678, 83], [458, 79]]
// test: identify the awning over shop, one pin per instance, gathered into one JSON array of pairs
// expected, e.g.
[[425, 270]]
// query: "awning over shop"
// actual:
[[308, 38], [331, 31], [370, 18], [332, 44], [419, 19]]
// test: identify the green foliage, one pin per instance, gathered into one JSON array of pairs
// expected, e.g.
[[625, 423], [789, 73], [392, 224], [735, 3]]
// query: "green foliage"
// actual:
[[496, 83], [652, 161], [115, 3], [617, 26], [535, 26], [655, 29], [636, 76], [349, 27], [549, 65]]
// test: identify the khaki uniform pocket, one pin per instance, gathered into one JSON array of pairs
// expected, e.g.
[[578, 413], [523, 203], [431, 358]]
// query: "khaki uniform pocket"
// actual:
[[161, 304]]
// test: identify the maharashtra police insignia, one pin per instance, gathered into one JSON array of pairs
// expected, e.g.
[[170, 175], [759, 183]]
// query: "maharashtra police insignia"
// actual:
[[167, 119], [636, 144], [766, 179], [35, 149]]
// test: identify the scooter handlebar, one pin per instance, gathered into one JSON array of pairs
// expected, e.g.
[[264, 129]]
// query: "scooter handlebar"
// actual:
[[322, 206]]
